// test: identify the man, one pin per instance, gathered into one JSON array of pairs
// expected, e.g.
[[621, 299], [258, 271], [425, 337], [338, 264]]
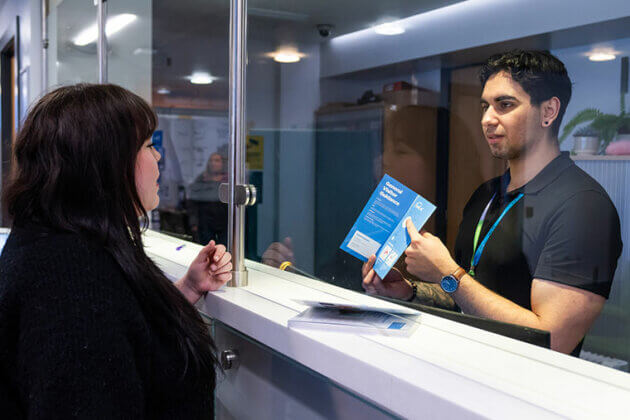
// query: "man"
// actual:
[[537, 246]]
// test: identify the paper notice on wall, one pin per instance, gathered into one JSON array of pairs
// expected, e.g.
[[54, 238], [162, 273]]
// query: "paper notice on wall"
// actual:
[[189, 141]]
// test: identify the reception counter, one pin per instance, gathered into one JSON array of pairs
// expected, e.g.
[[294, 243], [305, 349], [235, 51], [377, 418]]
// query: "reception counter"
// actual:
[[442, 369]]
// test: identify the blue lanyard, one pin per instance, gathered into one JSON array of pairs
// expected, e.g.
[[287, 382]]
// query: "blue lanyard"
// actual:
[[478, 250]]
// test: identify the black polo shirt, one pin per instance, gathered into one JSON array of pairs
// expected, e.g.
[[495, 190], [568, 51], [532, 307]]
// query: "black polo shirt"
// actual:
[[565, 229]]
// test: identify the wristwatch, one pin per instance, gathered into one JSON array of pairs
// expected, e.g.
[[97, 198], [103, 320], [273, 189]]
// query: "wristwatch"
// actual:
[[450, 283]]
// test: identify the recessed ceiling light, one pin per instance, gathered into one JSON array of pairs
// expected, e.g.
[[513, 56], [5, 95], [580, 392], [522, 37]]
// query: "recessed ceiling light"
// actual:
[[601, 56], [163, 91], [201, 78], [114, 24], [391, 28], [286, 55]]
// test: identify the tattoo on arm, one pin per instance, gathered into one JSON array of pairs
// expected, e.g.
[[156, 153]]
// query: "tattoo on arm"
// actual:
[[432, 295], [428, 294]]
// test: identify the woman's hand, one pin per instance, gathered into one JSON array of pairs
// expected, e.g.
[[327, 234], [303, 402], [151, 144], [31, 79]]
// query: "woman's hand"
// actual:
[[210, 270]]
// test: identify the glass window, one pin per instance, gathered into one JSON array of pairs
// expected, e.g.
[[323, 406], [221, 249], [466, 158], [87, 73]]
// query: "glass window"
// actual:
[[71, 42], [175, 56], [338, 95], [189, 92]]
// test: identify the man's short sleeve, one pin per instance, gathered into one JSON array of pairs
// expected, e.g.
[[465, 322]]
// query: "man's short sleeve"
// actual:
[[582, 243]]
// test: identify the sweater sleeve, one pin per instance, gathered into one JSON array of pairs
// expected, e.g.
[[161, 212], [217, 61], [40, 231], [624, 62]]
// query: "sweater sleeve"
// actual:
[[76, 357]]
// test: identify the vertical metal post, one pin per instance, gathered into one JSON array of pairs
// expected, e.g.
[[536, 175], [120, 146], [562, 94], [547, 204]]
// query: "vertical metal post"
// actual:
[[236, 176], [44, 9], [101, 47]]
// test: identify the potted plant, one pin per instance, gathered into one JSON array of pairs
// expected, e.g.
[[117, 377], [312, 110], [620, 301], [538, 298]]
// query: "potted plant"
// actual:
[[586, 141], [607, 126]]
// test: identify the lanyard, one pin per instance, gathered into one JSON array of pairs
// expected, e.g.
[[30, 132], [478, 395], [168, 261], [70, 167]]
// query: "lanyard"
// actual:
[[477, 251]]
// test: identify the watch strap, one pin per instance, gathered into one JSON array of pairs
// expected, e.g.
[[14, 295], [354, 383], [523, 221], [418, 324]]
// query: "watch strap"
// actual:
[[459, 273]]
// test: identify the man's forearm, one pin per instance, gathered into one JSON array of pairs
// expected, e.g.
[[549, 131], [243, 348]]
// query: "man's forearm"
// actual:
[[432, 295], [475, 299]]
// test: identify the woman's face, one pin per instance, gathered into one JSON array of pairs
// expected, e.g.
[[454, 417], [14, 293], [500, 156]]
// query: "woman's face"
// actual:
[[147, 175], [215, 163]]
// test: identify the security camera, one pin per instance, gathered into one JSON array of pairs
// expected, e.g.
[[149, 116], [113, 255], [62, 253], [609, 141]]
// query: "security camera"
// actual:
[[325, 29]]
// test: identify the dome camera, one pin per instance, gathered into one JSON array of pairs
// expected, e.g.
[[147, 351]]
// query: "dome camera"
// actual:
[[325, 29]]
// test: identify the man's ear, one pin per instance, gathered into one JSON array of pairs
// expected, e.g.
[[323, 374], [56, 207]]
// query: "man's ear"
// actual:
[[549, 110]]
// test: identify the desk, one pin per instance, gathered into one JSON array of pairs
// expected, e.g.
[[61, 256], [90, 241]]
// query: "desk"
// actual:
[[443, 370]]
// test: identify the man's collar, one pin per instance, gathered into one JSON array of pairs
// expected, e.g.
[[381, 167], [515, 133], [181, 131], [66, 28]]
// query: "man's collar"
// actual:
[[545, 177]]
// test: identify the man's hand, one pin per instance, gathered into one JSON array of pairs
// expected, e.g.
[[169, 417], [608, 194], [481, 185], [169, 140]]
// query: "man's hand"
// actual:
[[393, 285], [278, 252], [210, 270], [426, 257]]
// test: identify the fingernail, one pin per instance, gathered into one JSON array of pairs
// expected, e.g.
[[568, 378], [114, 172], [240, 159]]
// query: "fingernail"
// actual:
[[213, 267]]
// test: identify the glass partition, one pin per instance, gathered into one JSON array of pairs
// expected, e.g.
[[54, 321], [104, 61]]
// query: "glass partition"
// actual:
[[175, 56], [340, 94], [71, 42]]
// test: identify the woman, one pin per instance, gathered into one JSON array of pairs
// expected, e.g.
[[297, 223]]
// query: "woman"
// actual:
[[89, 326], [208, 216]]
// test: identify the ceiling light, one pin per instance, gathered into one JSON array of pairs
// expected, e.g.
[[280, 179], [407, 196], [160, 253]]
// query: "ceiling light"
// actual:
[[391, 28], [201, 78], [286, 55], [163, 91], [114, 24], [601, 56]]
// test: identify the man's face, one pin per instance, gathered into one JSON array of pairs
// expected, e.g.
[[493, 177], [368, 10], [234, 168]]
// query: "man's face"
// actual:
[[510, 123]]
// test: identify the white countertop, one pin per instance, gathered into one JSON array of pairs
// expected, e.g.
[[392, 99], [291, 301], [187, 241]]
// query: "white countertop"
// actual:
[[443, 369]]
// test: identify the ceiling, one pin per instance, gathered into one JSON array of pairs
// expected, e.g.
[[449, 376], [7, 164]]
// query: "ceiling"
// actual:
[[192, 35]]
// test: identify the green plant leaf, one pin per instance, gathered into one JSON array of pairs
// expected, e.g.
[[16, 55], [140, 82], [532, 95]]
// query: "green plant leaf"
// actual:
[[581, 117], [608, 125]]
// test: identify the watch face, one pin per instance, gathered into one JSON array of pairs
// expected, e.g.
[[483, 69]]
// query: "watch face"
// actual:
[[449, 284]]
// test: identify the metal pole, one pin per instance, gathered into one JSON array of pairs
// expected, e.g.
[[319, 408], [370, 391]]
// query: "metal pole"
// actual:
[[101, 47], [236, 176], [44, 6]]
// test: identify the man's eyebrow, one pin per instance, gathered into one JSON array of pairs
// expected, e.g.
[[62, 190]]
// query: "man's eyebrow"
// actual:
[[505, 98]]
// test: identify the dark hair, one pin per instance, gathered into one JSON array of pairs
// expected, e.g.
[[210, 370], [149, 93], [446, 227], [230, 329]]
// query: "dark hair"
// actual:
[[74, 171], [539, 73]]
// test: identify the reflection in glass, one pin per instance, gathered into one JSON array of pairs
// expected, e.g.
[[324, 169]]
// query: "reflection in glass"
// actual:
[[359, 104]]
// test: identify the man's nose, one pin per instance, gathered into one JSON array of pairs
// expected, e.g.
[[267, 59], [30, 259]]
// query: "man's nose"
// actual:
[[489, 118]]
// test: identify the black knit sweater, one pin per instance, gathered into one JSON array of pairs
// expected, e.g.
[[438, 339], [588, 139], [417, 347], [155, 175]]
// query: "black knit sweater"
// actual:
[[74, 342]]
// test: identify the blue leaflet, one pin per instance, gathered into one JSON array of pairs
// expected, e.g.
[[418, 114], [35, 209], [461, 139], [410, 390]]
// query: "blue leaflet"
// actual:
[[380, 228]]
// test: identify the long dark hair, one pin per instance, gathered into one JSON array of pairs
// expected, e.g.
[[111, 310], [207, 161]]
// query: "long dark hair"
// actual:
[[74, 171]]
